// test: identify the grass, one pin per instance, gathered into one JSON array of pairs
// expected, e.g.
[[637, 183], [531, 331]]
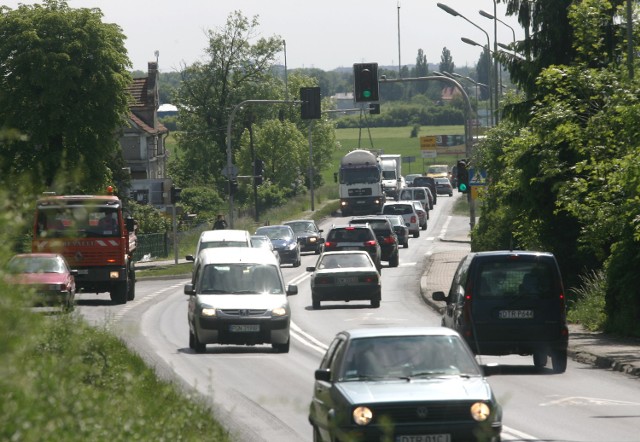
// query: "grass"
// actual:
[[588, 308]]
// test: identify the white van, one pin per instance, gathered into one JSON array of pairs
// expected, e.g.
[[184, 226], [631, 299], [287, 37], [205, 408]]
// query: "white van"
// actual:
[[421, 194], [220, 238], [239, 298]]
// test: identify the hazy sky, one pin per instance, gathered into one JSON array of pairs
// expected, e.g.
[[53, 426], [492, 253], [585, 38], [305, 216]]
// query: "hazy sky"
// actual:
[[323, 34]]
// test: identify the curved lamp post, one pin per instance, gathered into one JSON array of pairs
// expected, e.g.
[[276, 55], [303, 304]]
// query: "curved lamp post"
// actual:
[[492, 74]]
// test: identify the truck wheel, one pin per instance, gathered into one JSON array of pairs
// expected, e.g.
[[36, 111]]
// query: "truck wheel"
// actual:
[[119, 292], [559, 360], [131, 294]]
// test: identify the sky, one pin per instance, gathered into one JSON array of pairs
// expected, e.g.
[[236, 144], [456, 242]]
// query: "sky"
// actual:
[[325, 34]]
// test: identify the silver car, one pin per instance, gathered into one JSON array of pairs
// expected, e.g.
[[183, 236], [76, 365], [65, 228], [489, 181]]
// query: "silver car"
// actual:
[[238, 298]]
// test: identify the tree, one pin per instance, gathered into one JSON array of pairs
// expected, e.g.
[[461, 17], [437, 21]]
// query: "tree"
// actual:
[[446, 61], [63, 86], [236, 70], [421, 70], [483, 72]]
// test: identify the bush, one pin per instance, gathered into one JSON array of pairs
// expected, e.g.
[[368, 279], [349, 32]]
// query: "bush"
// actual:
[[588, 308]]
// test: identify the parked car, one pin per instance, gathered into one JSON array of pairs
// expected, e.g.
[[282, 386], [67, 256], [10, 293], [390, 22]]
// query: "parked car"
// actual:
[[423, 215], [385, 235], [48, 275], [354, 237], [444, 187], [345, 276], [284, 241], [510, 302], [239, 298], [402, 384], [427, 181], [401, 229], [407, 211], [264, 242], [308, 233]]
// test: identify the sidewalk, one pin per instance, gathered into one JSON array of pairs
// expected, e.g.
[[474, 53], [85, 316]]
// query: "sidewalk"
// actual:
[[595, 348]]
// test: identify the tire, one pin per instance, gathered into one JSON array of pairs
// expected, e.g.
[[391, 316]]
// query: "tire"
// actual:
[[559, 360], [192, 340], [417, 234], [424, 227], [406, 244], [540, 360], [318, 250], [375, 303], [198, 346], [131, 293], [395, 260], [281, 348], [316, 434], [119, 292], [315, 302], [298, 262]]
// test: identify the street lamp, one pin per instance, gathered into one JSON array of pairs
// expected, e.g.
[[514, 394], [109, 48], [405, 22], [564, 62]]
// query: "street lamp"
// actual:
[[453, 12], [490, 89], [477, 85]]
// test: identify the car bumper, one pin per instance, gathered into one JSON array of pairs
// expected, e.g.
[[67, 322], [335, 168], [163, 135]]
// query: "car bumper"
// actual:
[[348, 293], [288, 256], [220, 331]]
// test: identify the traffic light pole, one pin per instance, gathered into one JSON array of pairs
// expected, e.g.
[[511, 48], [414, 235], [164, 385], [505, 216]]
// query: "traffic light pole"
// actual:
[[229, 151], [467, 132]]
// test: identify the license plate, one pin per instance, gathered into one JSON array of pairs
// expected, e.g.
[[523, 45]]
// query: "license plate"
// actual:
[[350, 248], [243, 328], [424, 438], [349, 280], [83, 272], [516, 314]]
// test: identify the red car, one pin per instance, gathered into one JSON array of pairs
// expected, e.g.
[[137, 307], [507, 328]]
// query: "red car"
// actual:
[[48, 274]]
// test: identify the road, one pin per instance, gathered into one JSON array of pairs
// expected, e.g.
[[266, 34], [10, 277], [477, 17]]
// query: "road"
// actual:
[[260, 395]]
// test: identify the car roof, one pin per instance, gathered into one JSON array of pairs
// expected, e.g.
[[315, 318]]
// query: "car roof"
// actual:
[[374, 332], [237, 255], [224, 235], [345, 252], [403, 202], [38, 255], [298, 221], [513, 253]]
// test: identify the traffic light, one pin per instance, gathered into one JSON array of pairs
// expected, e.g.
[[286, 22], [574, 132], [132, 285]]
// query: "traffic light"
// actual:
[[258, 171], [310, 97], [175, 194], [365, 76], [233, 187], [463, 176]]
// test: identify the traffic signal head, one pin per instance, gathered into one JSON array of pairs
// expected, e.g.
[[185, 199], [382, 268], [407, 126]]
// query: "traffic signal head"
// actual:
[[233, 187], [311, 103], [463, 176], [175, 194], [366, 86], [258, 171]]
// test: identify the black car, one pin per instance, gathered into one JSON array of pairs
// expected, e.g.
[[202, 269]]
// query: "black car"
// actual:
[[427, 181], [510, 302], [385, 234], [285, 242], [401, 229], [308, 233], [354, 237], [402, 384]]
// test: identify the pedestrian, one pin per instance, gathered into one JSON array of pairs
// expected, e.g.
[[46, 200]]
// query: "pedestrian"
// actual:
[[220, 223]]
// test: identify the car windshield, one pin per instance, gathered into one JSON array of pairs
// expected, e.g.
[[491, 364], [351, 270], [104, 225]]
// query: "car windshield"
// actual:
[[214, 244], [240, 279], [36, 264], [397, 209], [261, 241], [337, 261], [275, 232], [393, 357], [302, 227]]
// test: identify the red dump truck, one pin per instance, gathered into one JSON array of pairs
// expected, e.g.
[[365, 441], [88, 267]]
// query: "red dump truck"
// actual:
[[96, 238]]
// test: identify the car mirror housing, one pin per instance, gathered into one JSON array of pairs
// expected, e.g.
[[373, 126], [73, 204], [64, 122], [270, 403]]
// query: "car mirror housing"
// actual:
[[292, 289], [323, 374], [439, 296], [311, 269], [188, 289]]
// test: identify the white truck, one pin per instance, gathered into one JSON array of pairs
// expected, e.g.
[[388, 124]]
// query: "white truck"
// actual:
[[392, 179], [360, 183]]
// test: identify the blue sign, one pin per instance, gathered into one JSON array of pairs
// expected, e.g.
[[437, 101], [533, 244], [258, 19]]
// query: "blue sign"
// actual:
[[477, 177]]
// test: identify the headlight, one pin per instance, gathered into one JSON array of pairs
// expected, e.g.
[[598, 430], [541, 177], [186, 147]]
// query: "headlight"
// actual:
[[292, 245], [208, 311], [57, 287], [280, 311], [480, 411], [362, 415], [313, 239]]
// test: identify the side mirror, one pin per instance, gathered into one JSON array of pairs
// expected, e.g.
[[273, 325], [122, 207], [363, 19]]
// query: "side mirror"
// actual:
[[311, 269], [189, 258], [188, 289], [323, 374], [292, 289], [74, 272], [439, 296]]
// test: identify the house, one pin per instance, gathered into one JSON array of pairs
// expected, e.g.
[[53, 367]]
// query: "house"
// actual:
[[143, 142]]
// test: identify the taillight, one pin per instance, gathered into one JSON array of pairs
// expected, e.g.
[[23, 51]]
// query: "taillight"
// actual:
[[413, 219], [329, 244], [370, 243], [369, 279], [389, 240]]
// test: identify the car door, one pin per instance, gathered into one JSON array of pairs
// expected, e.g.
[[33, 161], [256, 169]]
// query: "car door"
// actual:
[[322, 400], [455, 302]]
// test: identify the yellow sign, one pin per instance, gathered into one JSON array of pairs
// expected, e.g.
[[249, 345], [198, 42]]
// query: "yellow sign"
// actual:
[[428, 143], [477, 192]]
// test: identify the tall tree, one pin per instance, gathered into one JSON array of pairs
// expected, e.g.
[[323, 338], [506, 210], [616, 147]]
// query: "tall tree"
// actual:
[[421, 70], [63, 80], [446, 61], [483, 73], [237, 69]]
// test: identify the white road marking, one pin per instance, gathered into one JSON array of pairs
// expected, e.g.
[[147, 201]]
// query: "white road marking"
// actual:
[[444, 228]]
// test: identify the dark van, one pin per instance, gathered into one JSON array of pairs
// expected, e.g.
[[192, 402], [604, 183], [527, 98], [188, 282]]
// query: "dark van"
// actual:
[[510, 302]]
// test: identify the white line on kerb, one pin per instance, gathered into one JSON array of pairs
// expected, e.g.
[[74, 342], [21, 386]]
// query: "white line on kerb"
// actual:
[[444, 228]]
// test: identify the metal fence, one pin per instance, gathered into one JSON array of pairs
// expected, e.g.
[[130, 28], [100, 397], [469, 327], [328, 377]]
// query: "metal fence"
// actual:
[[152, 245]]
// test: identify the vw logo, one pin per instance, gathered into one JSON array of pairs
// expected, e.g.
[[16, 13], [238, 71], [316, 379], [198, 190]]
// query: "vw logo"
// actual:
[[422, 412]]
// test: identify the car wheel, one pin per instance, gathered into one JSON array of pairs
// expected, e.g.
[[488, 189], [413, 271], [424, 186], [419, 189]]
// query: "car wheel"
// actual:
[[416, 234], [559, 360], [198, 346], [192, 340], [316, 434], [318, 250], [424, 226], [539, 359], [375, 303], [406, 244], [281, 348], [315, 302], [395, 260]]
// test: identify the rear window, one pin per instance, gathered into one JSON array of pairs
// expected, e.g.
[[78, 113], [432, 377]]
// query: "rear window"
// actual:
[[507, 279], [377, 225], [397, 209], [350, 235], [420, 195]]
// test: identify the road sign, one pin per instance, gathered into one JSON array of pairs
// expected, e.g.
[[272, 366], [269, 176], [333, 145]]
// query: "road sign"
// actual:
[[477, 177], [230, 172], [429, 154], [409, 159], [427, 143]]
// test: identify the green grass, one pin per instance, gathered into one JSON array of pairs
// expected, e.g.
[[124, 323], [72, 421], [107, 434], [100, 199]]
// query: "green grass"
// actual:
[[166, 270]]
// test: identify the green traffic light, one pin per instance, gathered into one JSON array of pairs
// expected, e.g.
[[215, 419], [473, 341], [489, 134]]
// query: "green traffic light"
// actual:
[[366, 93], [462, 187]]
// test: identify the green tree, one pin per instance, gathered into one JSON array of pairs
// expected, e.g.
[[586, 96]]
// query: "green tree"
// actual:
[[63, 86], [236, 69], [421, 70], [446, 61]]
